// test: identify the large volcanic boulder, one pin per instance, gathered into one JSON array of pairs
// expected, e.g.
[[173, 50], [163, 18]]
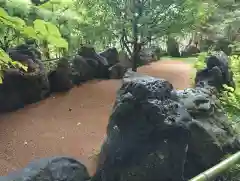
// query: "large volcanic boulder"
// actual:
[[157, 133], [60, 78], [212, 137], [117, 71], [97, 62], [147, 135], [217, 73], [83, 70], [20, 87], [26, 49], [51, 169], [111, 54]]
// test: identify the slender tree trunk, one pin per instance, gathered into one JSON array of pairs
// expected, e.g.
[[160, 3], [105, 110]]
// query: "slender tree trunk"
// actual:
[[136, 45]]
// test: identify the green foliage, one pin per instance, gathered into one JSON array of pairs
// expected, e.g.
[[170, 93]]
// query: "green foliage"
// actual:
[[40, 31], [200, 63], [6, 62], [231, 101], [49, 32], [230, 98]]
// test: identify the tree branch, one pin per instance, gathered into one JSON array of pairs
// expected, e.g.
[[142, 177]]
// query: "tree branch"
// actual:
[[124, 41]]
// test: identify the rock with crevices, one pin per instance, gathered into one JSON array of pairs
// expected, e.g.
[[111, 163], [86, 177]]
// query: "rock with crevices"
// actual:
[[217, 73], [212, 136], [60, 78], [117, 71], [20, 87], [111, 55], [96, 61], [147, 134], [51, 169]]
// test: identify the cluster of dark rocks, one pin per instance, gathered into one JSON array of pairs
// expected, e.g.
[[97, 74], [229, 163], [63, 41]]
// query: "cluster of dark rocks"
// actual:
[[20, 88], [155, 132]]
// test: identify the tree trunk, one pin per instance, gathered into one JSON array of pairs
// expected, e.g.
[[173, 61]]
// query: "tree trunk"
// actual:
[[136, 56], [136, 45]]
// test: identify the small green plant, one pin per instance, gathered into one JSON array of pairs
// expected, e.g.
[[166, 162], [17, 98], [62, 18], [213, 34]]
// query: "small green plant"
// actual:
[[6, 62], [200, 63], [231, 102]]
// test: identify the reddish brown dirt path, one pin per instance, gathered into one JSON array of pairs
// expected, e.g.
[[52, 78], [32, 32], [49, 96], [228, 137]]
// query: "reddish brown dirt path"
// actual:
[[49, 128]]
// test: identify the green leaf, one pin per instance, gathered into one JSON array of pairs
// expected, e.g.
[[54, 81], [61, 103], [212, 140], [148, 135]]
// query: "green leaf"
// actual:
[[4, 56], [52, 29], [29, 32], [19, 65], [58, 42], [18, 22], [40, 27], [3, 13]]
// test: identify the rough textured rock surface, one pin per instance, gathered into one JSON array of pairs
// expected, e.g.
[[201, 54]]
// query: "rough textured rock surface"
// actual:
[[82, 70], [24, 50], [20, 87], [112, 56], [216, 73], [212, 136], [210, 131], [60, 78], [147, 134], [117, 71], [190, 51], [96, 61], [156, 133], [51, 169]]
